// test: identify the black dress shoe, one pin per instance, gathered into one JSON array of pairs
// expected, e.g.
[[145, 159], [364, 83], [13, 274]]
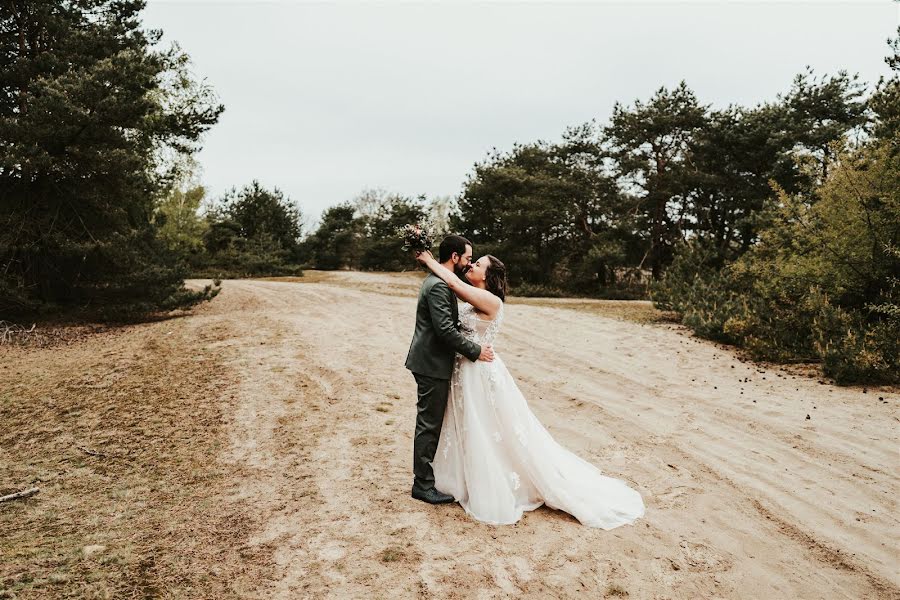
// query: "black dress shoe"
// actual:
[[432, 496]]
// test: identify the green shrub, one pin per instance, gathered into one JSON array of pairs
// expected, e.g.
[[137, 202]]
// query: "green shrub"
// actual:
[[820, 285], [704, 296], [533, 290]]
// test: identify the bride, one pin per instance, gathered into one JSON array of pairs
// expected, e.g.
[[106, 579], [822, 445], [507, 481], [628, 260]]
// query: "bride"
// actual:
[[493, 455]]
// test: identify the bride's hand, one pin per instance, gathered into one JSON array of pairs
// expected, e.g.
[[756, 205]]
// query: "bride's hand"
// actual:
[[423, 256]]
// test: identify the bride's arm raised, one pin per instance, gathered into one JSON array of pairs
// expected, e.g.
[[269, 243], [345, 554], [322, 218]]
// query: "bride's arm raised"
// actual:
[[486, 302]]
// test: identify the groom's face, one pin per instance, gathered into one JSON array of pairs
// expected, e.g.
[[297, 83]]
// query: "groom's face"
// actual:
[[464, 262]]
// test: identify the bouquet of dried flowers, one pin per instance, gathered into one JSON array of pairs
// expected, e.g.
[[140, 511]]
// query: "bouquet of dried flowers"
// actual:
[[416, 238]]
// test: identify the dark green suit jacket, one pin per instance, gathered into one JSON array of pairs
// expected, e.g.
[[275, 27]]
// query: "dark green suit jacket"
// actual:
[[437, 338]]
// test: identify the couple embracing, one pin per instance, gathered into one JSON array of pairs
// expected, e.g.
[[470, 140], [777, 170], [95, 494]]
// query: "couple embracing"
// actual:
[[476, 440]]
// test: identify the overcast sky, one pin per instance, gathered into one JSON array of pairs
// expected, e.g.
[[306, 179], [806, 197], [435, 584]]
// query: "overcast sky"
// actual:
[[323, 100]]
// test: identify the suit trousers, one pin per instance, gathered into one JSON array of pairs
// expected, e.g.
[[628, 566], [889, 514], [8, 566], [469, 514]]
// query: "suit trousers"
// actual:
[[432, 402]]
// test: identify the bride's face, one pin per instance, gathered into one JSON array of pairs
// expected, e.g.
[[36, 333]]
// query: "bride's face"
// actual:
[[477, 272]]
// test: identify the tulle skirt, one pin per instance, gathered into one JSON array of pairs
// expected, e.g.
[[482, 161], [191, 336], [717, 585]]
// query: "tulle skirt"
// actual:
[[498, 461]]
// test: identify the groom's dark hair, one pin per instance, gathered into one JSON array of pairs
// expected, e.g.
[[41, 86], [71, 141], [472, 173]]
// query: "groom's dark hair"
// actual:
[[451, 244]]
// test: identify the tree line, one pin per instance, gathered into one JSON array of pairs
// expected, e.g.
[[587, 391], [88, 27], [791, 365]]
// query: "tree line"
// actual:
[[773, 226], [259, 231]]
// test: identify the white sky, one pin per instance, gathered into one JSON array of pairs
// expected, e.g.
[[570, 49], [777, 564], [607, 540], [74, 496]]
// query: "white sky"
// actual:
[[325, 99]]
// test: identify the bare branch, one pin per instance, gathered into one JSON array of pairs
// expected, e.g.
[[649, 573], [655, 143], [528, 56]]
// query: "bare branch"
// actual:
[[18, 495]]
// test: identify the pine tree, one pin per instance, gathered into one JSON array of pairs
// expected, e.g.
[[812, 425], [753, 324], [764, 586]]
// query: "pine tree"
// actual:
[[90, 116], [650, 144], [253, 231]]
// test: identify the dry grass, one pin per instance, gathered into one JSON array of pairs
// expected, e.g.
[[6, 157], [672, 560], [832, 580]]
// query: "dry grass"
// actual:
[[388, 284], [637, 311], [392, 554], [48, 334], [308, 277], [119, 430]]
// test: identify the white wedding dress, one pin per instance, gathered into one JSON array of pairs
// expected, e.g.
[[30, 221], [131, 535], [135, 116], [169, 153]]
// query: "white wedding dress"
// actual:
[[498, 461]]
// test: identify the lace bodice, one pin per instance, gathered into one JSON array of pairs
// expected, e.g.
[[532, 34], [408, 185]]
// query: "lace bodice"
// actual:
[[480, 331]]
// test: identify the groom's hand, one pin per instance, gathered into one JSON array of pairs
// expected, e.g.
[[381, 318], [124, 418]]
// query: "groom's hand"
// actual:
[[487, 354]]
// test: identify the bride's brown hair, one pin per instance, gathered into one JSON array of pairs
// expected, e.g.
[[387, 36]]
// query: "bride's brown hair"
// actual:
[[495, 278]]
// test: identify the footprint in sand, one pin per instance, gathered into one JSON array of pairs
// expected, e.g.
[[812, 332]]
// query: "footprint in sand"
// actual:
[[677, 487], [700, 557]]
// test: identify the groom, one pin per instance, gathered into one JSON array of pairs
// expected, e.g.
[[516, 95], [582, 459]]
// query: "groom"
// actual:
[[431, 356]]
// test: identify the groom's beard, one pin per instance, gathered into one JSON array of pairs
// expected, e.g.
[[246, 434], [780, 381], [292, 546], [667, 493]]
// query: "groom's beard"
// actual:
[[461, 272]]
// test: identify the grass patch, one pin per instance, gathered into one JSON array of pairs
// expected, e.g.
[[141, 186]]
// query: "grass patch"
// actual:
[[120, 431], [636, 311], [392, 554], [405, 284]]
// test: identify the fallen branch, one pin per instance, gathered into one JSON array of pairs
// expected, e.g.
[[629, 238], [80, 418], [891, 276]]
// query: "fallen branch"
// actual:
[[8, 331], [17, 495], [101, 454], [92, 452]]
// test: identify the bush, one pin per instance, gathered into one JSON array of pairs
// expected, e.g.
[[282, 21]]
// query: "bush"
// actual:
[[536, 290], [821, 284], [708, 299]]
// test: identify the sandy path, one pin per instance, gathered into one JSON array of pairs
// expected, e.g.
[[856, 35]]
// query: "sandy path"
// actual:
[[746, 497]]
